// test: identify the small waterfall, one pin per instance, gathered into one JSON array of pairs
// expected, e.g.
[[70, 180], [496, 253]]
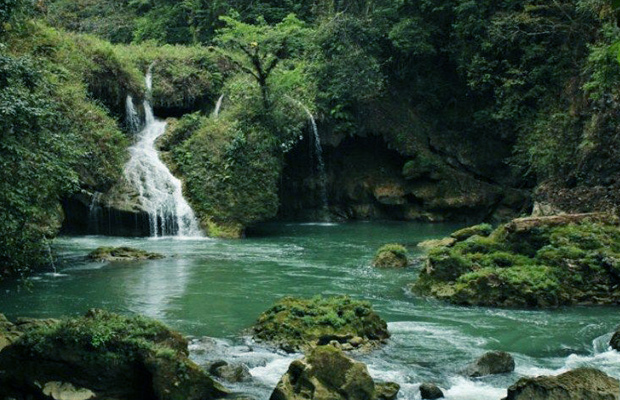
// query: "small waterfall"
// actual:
[[218, 106], [95, 212], [133, 119], [159, 192], [318, 153]]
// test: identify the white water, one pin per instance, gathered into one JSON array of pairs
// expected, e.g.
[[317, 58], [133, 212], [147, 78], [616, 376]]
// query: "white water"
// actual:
[[318, 152], [159, 193], [218, 106], [133, 119]]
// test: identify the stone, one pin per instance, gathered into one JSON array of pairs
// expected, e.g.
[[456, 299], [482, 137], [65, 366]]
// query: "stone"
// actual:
[[476, 230], [430, 391], [391, 256], [579, 384], [615, 341], [491, 363], [122, 254], [432, 244], [301, 324], [328, 374], [66, 391], [232, 373]]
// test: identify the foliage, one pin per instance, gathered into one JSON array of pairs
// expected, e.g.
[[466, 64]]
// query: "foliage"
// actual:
[[541, 267], [296, 324]]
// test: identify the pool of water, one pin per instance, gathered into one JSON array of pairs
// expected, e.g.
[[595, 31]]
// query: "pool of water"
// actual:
[[217, 288]]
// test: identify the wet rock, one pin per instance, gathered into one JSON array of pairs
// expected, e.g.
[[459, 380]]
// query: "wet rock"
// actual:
[[430, 391], [491, 363], [476, 230], [122, 254], [232, 373], [327, 373], [579, 384], [302, 324], [391, 256], [75, 356], [615, 341]]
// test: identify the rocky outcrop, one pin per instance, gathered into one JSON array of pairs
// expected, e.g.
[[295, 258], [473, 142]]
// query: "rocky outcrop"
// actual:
[[579, 384], [391, 256], [615, 341], [430, 391], [328, 374], [122, 254], [302, 324], [232, 373], [491, 363], [529, 262], [108, 355]]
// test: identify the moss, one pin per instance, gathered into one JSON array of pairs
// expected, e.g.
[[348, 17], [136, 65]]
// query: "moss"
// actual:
[[541, 266], [299, 324], [477, 230], [391, 256], [122, 254]]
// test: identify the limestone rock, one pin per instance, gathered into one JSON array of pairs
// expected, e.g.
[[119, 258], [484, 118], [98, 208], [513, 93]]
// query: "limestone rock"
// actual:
[[476, 230], [328, 374], [122, 254], [66, 391], [430, 391], [579, 384], [391, 256], [491, 363], [432, 244]]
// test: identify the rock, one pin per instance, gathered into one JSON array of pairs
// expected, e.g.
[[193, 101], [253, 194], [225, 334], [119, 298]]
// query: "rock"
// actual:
[[122, 254], [579, 384], [390, 194], [66, 391], [232, 373], [391, 256], [521, 225], [147, 357], [430, 391], [432, 244], [491, 363], [9, 333], [476, 230], [302, 324], [615, 341], [328, 374]]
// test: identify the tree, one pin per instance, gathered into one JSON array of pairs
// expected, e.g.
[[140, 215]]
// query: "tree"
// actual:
[[258, 49]]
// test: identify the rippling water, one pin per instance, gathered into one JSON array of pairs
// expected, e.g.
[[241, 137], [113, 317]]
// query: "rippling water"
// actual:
[[217, 289]]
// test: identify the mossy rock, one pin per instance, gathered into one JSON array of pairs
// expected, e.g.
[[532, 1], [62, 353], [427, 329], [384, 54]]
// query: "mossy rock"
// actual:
[[116, 356], [391, 256], [122, 254], [476, 230], [535, 262], [435, 243], [327, 373], [301, 324]]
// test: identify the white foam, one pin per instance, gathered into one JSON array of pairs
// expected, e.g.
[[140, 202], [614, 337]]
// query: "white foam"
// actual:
[[464, 389]]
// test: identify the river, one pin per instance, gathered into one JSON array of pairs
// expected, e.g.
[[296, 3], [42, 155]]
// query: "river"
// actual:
[[217, 288]]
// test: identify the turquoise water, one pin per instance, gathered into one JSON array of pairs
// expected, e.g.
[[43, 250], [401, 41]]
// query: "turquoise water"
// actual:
[[217, 288]]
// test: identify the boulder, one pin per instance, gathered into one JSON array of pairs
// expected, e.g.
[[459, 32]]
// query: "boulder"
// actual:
[[615, 341], [430, 391], [491, 363], [232, 373], [110, 355], [328, 374], [434, 243], [579, 384], [302, 324], [122, 254], [391, 256], [476, 230]]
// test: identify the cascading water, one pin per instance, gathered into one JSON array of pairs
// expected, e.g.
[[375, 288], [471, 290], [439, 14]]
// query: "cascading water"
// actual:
[[159, 193], [318, 153], [218, 106], [95, 213]]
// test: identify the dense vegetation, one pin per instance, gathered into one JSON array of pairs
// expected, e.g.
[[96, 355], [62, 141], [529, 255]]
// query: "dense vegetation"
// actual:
[[528, 263], [477, 96]]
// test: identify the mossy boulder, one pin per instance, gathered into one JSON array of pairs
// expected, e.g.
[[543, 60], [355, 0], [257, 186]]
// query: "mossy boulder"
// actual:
[[391, 256], [327, 373], [302, 324], [122, 254], [117, 357], [531, 262], [476, 230], [579, 384]]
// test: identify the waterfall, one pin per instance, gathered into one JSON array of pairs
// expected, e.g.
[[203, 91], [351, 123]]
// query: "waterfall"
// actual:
[[218, 105], [94, 213], [159, 193], [133, 119], [318, 153]]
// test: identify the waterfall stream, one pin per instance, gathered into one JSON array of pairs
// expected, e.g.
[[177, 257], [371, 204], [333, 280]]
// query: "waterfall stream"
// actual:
[[160, 194], [318, 153], [218, 106]]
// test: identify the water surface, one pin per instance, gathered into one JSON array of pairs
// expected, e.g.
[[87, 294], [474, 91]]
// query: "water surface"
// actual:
[[217, 288]]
